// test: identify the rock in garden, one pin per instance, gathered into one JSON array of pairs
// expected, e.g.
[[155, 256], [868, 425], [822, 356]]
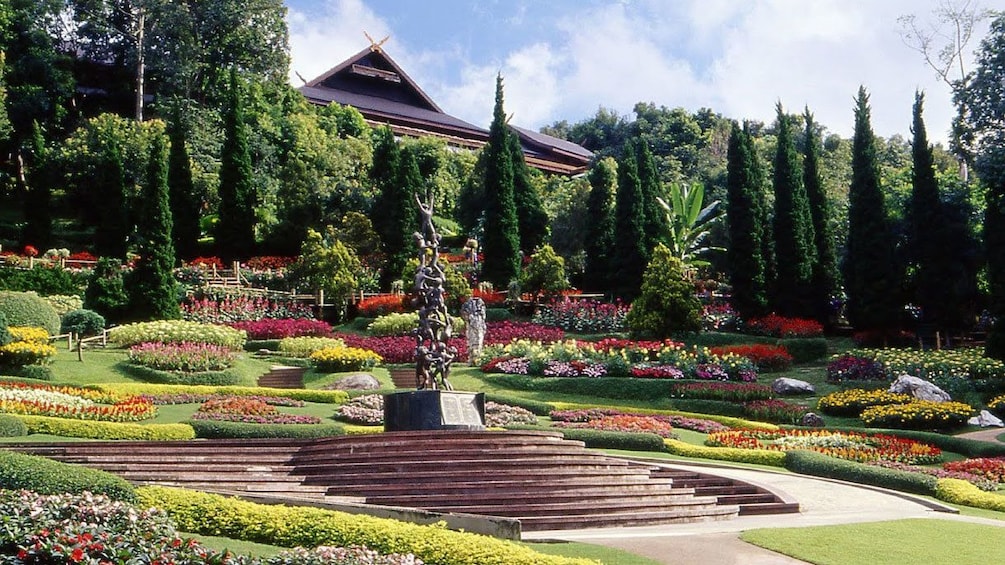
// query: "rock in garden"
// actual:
[[811, 420], [919, 388], [986, 420], [786, 387], [357, 381]]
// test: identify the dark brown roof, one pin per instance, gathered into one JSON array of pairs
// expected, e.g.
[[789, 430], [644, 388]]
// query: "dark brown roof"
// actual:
[[374, 84]]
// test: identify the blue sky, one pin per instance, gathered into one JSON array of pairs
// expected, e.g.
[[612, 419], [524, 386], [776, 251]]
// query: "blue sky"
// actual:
[[564, 59]]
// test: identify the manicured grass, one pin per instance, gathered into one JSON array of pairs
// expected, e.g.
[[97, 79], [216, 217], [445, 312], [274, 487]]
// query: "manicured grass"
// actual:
[[932, 542], [239, 547], [99, 366], [589, 551]]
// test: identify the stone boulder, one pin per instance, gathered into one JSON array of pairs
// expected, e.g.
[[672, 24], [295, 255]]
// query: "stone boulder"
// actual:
[[986, 420], [811, 420], [919, 388], [788, 387], [356, 381]]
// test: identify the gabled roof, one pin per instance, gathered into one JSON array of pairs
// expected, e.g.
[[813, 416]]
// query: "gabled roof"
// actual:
[[374, 84]]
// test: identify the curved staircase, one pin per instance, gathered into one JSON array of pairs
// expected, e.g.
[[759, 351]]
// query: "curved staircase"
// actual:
[[538, 477]]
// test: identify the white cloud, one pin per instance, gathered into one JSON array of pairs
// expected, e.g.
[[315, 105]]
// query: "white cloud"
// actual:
[[319, 41]]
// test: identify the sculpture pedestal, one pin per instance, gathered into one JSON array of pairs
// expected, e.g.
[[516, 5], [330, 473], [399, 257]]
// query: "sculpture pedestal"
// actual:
[[434, 410]]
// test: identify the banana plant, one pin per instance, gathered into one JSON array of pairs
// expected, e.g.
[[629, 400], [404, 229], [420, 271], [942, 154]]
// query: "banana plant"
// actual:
[[690, 223]]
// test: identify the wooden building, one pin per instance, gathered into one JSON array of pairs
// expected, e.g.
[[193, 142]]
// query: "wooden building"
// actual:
[[374, 84]]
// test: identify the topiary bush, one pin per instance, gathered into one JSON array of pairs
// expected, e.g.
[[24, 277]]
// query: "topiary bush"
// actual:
[[83, 322], [45, 476], [29, 309], [11, 426], [106, 291], [92, 429], [666, 304]]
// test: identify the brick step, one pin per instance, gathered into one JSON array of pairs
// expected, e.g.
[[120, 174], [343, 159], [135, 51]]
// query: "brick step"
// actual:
[[223, 459], [182, 467], [402, 466], [601, 508], [145, 476], [514, 488], [283, 377], [257, 488], [724, 490], [444, 453], [426, 478], [752, 499], [409, 441], [655, 495], [742, 499], [769, 508], [624, 519]]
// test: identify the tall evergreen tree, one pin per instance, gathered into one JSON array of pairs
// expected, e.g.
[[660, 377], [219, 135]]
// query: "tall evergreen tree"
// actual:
[[825, 284], [530, 214], [871, 276], [5, 126], [403, 216], [656, 224], [38, 194], [599, 241], [630, 253], [151, 286], [744, 200], [793, 227], [112, 231], [185, 204], [501, 244], [235, 228], [394, 209]]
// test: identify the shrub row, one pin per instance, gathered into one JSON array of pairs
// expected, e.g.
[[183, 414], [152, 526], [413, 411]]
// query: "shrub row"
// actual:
[[958, 491], [605, 387], [19, 471], [177, 331], [307, 395], [105, 430], [820, 465], [212, 514], [212, 429], [205, 378], [601, 439], [11, 426], [536, 406], [755, 456]]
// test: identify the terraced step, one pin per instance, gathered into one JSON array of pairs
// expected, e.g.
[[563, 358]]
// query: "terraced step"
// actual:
[[281, 376], [751, 499], [625, 519]]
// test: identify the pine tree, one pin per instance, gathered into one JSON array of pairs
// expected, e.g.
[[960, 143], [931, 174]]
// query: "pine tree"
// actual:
[[656, 224], [747, 269], [630, 253], [113, 230], [530, 214], [396, 176], [38, 194], [151, 286], [871, 277], [185, 204], [600, 225], [793, 228], [235, 228], [824, 285], [501, 244]]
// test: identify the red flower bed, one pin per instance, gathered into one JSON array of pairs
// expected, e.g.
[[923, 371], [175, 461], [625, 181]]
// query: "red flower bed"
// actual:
[[397, 349], [768, 358], [81, 256], [492, 299], [780, 326], [507, 331], [729, 392], [657, 372], [376, 306], [774, 411], [285, 327], [273, 262], [613, 343], [991, 467], [206, 262]]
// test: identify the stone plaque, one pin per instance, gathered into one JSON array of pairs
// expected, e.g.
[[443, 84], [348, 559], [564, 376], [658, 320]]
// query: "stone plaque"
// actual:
[[434, 410]]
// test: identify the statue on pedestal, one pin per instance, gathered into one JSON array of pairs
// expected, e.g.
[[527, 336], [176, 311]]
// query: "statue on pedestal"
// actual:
[[433, 354]]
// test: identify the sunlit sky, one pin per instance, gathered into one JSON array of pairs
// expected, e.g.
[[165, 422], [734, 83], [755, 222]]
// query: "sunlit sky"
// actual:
[[564, 59]]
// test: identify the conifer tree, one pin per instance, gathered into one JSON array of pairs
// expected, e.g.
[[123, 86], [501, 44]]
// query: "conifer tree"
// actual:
[[824, 285], [235, 228], [185, 203], [151, 286], [6, 129], [112, 231], [656, 224], [396, 177], [793, 228], [501, 245], [530, 214], [38, 194], [666, 305], [744, 200], [630, 253], [872, 281], [600, 238]]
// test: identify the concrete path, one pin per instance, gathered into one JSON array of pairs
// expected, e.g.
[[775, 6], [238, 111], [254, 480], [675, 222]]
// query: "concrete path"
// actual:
[[822, 502]]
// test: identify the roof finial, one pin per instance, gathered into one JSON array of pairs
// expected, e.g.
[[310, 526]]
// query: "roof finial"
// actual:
[[375, 45]]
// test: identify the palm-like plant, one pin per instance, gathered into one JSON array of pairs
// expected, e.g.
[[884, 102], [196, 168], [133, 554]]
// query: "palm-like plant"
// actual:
[[690, 223]]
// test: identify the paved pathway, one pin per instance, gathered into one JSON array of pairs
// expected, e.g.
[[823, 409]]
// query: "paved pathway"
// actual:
[[822, 502]]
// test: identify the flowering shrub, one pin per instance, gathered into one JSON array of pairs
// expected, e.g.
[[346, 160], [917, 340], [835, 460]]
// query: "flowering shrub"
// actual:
[[631, 423], [278, 328], [767, 358], [398, 349], [498, 415], [72, 403], [945, 364], [582, 316], [367, 410], [375, 306], [991, 468], [849, 367], [728, 392], [82, 256], [233, 306], [573, 369], [507, 331], [21, 353], [997, 405], [305, 345], [853, 401], [683, 422], [780, 326], [176, 331], [852, 446], [404, 323], [207, 262], [656, 372], [64, 303], [248, 410], [269, 262], [979, 481], [919, 415], [774, 411], [337, 359], [186, 357], [718, 317]]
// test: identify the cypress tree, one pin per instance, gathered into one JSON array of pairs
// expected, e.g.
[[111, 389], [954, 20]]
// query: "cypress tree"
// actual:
[[530, 214], [113, 229], [38, 195], [824, 285], [744, 215], [185, 204], [871, 277], [793, 228], [151, 286], [656, 225], [600, 238], [394, 209], [235, 228], [630, 253], [501, 244]]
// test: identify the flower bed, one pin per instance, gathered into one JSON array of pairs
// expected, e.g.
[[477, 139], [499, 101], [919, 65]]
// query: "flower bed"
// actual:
[[366, 410], [248, 410], [944, 364], [774, 411], [991, 468], [780, 326], [582, 316], [506, 331], [192, 398], [185, 357], [583, 416], [233, 306], [21, 353], [65, 402], [398, 324], [918, 415], [398, 349], [278, 328], [848, 367], [338, 359], [978, 481], [630, 423], [853, 401], [767, 358], [177, 331], [305, 345], [852, 446], [375, 306], [728, 392]]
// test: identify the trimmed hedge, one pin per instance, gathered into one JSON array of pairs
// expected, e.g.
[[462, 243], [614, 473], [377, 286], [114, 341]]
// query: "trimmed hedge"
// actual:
[[621, 388], [820, 465], [254, 345], [307, 395], [536, 406], [215, 429], [29, 309], [11, 426], [29, 472], [285, 526], [33, 372], [207, 378], [105, 430], [958, 491], [756, 456], [602, 439], [721, 407], [805, 349], [724, 420]]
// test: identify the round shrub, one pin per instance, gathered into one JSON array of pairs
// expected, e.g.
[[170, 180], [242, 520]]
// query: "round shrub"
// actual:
[[29, 309], [854, 368], [45, 476], [83, 322], [666, 304], [339, 359], [177, 331], [12, 426]]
